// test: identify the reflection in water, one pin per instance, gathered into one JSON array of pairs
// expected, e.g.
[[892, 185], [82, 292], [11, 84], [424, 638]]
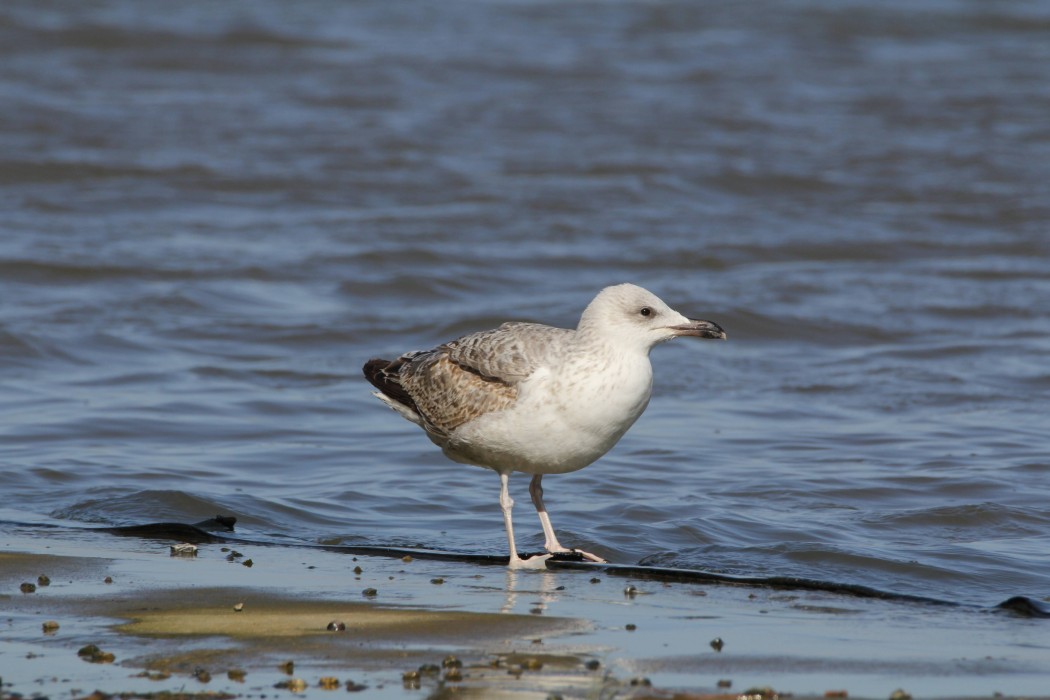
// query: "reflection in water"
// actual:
[[524, 582]]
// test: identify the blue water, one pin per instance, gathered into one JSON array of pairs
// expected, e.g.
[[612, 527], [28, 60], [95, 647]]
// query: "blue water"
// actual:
[[212, 215]]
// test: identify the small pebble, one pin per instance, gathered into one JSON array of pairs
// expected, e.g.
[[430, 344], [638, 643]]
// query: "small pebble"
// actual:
[[236, 674], [596, 580], [358, 570], [238, 607], [352, 687], [900, 694], [536, 611], [93, 654], [183, 549], [410, 679], [641, 681], [429, 669], [451, 661], [202, 675], [108, 579], [725, 683], [630, 591], [50, 627], [249, 563], [630, 627], [296, 685], [28, 588], [717, 644], [369, 593], [336, 626], [593, 665], [287, 667], [328, 683], [437, 581], [43, 580], [407, 558]]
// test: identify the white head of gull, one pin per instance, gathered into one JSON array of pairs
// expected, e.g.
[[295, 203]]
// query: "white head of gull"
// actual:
[[537, 399]]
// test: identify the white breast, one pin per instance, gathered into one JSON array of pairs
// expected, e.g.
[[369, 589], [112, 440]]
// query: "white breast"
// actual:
[[564, 419]]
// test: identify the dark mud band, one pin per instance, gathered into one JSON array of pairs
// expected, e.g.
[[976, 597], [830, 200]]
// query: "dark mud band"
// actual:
[[217, 529]]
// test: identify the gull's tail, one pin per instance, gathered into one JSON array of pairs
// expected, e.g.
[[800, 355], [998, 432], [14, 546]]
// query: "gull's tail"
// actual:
[[384, 375]]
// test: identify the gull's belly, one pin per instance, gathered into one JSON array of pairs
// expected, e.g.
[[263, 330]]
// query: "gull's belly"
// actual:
[[560, 423]]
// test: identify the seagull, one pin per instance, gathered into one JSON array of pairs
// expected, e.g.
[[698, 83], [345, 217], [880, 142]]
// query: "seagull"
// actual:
[[531, 398]]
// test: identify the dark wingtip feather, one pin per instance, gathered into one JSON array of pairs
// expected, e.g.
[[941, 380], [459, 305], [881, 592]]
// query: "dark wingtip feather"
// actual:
[[373, 369], [383, 375]]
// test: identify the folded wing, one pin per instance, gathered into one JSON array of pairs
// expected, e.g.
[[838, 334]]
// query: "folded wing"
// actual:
[[466, 378]]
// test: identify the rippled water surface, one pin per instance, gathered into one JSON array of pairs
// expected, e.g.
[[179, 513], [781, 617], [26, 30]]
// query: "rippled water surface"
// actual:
[[213, 214]]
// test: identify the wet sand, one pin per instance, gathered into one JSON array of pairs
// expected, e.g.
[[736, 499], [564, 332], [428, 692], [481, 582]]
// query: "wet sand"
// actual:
[[211, 624]]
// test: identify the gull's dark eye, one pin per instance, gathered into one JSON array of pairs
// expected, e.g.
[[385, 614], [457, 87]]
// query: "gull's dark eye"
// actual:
[[646, 311]]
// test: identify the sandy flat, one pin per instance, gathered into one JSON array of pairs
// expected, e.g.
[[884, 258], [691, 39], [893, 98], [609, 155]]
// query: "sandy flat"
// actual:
[[170, 624]]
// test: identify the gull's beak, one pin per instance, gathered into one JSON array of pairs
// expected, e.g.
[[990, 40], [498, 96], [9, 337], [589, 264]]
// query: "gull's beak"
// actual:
[[699, 329]]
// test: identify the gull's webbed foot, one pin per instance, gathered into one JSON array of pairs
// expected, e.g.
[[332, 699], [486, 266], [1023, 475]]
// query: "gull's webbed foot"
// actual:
[[586, 556]]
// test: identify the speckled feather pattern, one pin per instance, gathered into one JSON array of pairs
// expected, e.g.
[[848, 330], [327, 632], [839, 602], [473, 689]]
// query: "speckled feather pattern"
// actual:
[[476, 374], [533, 398]]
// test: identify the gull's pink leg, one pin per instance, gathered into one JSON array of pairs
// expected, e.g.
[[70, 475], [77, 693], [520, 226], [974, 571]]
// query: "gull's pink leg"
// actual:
[[552, 545], [506, 503]]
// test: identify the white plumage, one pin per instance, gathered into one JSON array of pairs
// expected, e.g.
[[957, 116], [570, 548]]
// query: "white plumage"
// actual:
[[537, 399]]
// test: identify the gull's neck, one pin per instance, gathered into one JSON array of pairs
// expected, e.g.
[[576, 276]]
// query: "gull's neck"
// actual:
[[596, 338]]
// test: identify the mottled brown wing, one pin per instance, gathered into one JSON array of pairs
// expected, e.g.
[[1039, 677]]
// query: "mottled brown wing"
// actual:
[[446, 395], [478, 373]]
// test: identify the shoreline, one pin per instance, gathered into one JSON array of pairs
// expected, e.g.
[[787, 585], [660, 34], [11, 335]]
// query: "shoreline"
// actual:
[[210, 624]]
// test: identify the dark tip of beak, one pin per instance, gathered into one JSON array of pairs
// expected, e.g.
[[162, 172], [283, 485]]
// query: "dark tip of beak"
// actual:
[[700, 329]]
